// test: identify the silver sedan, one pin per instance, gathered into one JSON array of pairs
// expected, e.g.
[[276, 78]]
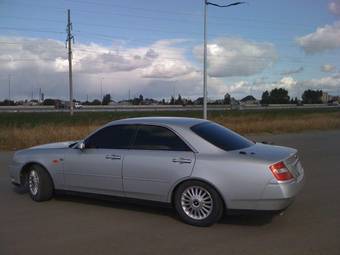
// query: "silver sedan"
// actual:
[[201, 168]]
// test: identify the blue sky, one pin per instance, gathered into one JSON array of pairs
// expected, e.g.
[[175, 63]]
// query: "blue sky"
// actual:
[[132, 24]]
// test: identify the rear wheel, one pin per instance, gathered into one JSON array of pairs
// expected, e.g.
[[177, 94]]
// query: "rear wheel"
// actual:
[[197, 203], [39, 183]]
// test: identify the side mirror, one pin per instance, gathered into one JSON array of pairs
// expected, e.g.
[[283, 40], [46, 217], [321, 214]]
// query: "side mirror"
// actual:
[[81, 146]]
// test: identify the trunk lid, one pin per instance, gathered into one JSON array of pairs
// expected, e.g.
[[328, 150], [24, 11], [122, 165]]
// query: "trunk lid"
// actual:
[[269, 153], [273, 154]]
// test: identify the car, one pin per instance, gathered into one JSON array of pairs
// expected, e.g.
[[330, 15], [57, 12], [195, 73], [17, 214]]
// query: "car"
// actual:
[[78, 105], [299, 103], [199, 167], [333, 103]]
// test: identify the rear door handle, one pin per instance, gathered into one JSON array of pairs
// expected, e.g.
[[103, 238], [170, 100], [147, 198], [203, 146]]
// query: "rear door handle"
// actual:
[[182, 160], [112, 157]]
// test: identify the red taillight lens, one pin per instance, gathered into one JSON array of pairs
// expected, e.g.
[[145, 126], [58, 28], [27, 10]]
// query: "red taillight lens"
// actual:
[[281, 172]]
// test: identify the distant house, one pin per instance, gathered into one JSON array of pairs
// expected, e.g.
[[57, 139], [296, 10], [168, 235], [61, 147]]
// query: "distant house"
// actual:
[[125, 102], [249, 100], [113, 102], [325, 97], [198, 101]]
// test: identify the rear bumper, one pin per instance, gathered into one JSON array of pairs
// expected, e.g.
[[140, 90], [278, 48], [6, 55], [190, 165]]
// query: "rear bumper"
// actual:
[[278, 196]]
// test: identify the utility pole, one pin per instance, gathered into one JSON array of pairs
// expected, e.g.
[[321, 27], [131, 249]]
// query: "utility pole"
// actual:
[[205, 65], [101, 90], [205, 89], [70, 38], [9, 87]]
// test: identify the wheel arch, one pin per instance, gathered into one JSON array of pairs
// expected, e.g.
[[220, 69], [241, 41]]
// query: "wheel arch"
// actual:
[[175, 187], [24, 171]]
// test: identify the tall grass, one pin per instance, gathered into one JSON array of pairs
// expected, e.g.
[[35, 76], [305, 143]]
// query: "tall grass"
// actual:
[[25, 130]]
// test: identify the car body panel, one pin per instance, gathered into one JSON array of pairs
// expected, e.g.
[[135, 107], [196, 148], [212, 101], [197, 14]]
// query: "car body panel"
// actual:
[[94, 170], [50, 159], [149, 174]]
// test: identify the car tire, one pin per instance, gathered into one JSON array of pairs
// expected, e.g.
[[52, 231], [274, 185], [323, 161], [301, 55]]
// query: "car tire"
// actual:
[[39, 183], [198, 204]]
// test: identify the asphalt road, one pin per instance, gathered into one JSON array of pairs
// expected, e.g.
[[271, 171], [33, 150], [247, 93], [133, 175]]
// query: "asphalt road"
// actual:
[[74, 225]]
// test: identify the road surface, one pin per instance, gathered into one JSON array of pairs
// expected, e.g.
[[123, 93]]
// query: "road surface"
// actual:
[[74, 225]]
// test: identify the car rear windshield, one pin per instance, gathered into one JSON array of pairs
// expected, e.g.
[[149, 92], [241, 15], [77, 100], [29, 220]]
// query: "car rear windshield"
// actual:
[[221, 137]]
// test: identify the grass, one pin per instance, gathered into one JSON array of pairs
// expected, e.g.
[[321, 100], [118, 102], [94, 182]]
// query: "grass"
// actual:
[[20, 130]]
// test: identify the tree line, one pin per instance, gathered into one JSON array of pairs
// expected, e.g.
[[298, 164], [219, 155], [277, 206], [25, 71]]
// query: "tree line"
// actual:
[[275, 96], [280, 96]]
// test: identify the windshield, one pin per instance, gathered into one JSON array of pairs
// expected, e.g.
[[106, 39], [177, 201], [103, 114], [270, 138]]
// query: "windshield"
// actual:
[[221, 137]]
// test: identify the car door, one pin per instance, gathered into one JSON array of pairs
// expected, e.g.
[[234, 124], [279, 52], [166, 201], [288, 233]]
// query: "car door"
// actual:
[[158, 158], [98, 167]]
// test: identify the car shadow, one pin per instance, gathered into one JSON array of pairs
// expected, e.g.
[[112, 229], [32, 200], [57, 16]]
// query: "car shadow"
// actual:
[[118, 203], [249, 218], [19, 189]]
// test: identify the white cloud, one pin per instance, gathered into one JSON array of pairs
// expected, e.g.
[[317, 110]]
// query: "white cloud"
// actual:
[[329, 83], [237, 57], [170, 62], [323, 39], [327, 68], [334, 7], [153, 70], [295, 87]]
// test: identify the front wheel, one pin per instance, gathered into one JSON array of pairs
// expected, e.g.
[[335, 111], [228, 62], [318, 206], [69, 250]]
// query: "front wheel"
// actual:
[[198, 204], [39, 182]]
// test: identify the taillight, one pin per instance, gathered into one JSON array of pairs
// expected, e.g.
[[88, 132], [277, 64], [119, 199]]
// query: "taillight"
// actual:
[[281, 172]]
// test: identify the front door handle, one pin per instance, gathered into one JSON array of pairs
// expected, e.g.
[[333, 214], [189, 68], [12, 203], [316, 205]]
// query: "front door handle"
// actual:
[[112, 157], [182, 160]]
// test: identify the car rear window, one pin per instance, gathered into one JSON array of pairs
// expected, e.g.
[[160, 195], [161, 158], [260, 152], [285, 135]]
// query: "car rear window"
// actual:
[[221, 137]]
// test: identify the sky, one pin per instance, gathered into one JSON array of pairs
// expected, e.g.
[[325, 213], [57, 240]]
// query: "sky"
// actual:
[[155, 48]]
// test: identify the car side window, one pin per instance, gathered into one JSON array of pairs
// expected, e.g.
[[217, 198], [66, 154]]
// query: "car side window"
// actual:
[[158, 138], [111, 137]]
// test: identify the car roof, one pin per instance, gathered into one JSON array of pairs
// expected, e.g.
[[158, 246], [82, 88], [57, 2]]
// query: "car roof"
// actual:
[[168, 121]]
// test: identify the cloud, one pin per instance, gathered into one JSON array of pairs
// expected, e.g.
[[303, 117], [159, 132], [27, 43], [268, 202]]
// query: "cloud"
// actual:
[[170, 62], [323, 39], [293, 71], [334, 7], [237, 57], [238, 89], [153, 70], [327, 68], [328, 83], [295, 87]]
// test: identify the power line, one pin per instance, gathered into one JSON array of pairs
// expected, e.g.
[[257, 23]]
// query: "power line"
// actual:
[[153, 11], [27, 59], [197, 14], [127, 28], [31, 30], [31, 18], [110, 37], [249, 22], [247, 58]]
